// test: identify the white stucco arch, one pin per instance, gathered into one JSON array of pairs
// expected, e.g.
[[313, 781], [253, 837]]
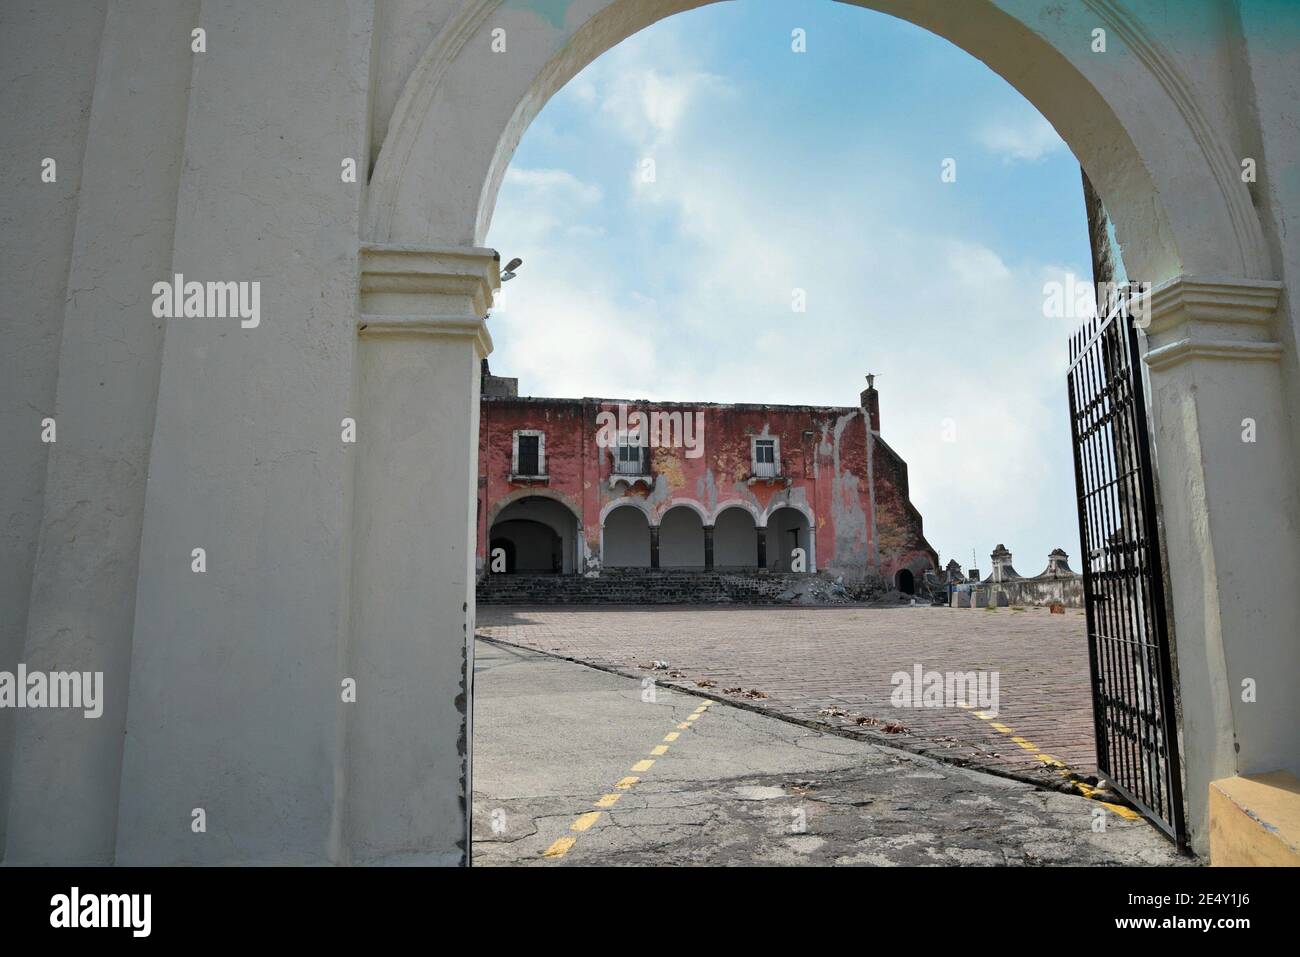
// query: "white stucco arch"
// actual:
[[759, 516], [694, 506], [629, 501], [505, 501], [1130, 116], [800, 507]]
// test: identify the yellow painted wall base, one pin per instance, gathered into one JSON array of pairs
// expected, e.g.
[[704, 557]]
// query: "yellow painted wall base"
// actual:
[[1255, 821]]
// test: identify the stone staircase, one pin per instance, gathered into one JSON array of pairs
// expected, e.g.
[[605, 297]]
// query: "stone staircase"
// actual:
[[641, 587]]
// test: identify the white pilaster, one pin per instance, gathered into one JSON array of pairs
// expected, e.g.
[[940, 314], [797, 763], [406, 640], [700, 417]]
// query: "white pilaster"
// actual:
[[1231, 526], [423, 336]]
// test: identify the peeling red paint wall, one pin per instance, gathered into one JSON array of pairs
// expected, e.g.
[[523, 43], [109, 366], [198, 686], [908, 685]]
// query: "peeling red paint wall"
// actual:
[[898, 524], [823, 473]]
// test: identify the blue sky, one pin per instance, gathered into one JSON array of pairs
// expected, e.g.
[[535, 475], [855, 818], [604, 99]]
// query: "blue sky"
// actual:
[[820, 171]]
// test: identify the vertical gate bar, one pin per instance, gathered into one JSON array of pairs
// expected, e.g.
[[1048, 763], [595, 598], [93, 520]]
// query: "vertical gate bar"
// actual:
[[1145, 783], [1172, 765], [1151, 568], [1115, 547], [1132, 631], [1152, 632], [1087, 519], [1152, 784], [1126, 633], [1072, 387], [1107, 622], [1106, 607], [1093, 374]]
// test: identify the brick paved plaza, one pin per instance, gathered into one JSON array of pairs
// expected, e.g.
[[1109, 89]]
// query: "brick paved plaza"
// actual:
[[807, 660]]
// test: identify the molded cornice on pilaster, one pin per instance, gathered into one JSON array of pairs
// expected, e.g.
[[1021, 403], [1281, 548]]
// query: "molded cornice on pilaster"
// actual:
[[444, 326], [1225, 319], [403, 280], [407, 290]]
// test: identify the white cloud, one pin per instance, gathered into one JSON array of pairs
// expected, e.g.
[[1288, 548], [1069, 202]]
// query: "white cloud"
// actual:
[[645, 89], [1024, 139], [554, 181], [976, 265]]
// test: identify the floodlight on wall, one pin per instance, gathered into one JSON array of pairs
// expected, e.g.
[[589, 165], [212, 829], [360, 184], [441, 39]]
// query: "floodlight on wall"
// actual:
[[510, 269]]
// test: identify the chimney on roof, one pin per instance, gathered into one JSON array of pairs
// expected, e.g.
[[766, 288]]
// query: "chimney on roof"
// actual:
[[870, 402]]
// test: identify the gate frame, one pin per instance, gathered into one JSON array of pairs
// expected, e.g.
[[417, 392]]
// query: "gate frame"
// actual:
[[1121, 316]]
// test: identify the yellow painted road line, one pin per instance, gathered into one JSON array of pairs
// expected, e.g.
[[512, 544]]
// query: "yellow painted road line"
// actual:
[[1063, 770], [560, 847], [1125, 812], [584, 822]]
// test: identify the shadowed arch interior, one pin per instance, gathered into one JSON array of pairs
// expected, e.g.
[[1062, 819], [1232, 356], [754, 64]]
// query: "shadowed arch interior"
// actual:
[[625, 538], [681, 539], [542, 532], [787, 530], [735, 539]]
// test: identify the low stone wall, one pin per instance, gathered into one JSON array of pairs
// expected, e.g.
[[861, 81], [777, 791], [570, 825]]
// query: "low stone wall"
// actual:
[[1044, 591], [664, 587], [1020, 591]]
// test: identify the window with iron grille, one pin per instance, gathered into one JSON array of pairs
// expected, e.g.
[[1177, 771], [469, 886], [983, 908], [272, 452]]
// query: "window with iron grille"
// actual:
[[765, 458], [627, 458], [529, 454]]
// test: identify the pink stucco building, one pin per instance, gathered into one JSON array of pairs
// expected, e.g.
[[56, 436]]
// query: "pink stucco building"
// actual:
[[573, 486]]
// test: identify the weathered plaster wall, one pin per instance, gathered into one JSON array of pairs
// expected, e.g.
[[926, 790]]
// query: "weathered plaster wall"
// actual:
[[96, 474], [47, 114], [1043, 591], [898, 524], [234, 676]]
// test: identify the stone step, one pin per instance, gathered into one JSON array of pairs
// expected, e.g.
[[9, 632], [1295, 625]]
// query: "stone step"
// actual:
[[643, 587]]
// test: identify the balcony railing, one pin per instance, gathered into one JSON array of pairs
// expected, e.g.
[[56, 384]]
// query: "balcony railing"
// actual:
[[765, 470], [629, 466]]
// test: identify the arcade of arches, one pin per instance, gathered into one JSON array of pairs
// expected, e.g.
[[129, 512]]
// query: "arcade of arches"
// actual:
[[733, 541], [776, 488]]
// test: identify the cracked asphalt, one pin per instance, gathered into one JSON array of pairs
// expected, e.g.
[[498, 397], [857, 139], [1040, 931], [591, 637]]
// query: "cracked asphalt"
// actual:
[[552, 737]]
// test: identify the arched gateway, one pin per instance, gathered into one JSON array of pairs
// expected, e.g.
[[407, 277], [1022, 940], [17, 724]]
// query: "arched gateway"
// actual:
[[389, 303]]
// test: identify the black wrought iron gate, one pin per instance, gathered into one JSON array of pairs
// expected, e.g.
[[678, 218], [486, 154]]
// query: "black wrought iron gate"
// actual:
[[1123, 582]]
